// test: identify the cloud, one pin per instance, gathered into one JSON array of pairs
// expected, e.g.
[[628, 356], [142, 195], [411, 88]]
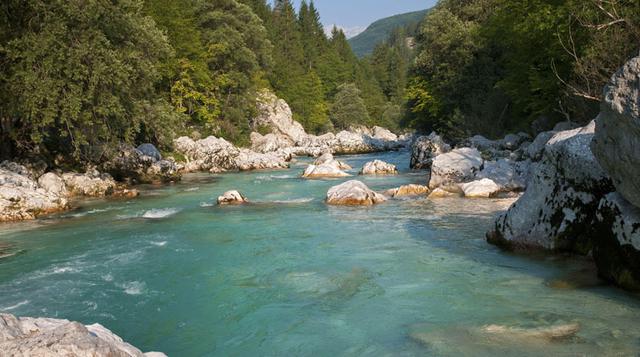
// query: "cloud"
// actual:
[[348, 31]]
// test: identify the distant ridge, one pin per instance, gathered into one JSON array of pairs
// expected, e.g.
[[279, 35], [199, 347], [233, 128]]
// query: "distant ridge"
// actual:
[[364, 43]]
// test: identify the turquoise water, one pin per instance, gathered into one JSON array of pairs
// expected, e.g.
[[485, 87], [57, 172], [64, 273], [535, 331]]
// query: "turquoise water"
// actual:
[[289, 275]]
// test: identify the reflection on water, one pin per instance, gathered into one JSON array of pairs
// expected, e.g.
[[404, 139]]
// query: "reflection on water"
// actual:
[[289, 275]]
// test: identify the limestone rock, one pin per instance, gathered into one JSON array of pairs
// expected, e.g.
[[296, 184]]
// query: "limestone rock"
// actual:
[[507, 174], [459, 165], [353, 193], [92, 183], [53, 183], [535, 149], [560, 201], [445, 192], [425, 148], [407, 190], [484, 188], [513, 141], [151, 151], [378, 167], [250, 160], [232, 197], [131, 164], [327, 158], [325, 170], [269, 143], [616, 144], [41, 337], [481, 143], [275, 114]]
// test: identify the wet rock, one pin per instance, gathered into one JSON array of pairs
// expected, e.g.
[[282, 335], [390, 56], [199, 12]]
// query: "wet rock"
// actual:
[[407, 190], [425, 149], [560, 201], [459, 165], [52, 337], [232, 197], [446, 192], [484, 188], [616, 144], [378, 167], [551, 333], [353, 193]]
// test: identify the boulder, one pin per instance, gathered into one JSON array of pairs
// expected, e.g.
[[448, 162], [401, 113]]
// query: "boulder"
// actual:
[[27, 336], [459, 165], [327, 158], [484, 188], [616, 144], [250, 160], [92, 183], [134, 165], [407, 190], [425, 148], [326, 170], [209, 154], [21, 198], [446, 192], [383, 134], [53, 183], [535, 149], [560, 201], [565, 125], [275, 114], [378, 167], [507, 174], [353, 193], [151, 151], [269, 143], [513, 141], [232, 197], [481, 143]]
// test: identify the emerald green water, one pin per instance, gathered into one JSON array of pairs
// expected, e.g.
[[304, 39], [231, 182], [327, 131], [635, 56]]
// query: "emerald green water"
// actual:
[[289, 275]]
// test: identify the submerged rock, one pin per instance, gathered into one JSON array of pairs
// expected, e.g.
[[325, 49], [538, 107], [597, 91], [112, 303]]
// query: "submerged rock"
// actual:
[[616, 144], [459, 165], [232, 197], [407, 190], [425, 149], [378, 167], [446, 192], [53, 337], [353, 193]]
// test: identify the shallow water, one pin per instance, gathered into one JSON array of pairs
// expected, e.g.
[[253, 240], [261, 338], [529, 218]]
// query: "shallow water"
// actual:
[[289, 275]]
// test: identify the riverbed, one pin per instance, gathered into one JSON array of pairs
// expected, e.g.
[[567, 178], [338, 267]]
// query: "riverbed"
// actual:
[[288, 275]]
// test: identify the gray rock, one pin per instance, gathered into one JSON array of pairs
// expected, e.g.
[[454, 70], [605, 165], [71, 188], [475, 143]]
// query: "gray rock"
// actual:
[[484, 188], [459, 165], [513, 141], [535, 149], [275, 114], [91, 183], [53, 337], [560, 201], [481, 143], [617, 140], [425, 149], [151, 151], [270, 142], [378, 167], [134, 165], [327, 158], [353, 193], [565, 125], [53, 183], [507, 174]]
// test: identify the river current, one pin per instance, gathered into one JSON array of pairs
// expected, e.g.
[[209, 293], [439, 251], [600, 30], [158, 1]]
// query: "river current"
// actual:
[[290, 276]]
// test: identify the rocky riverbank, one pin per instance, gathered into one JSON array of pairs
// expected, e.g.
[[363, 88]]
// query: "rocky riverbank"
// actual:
[[26, 336]]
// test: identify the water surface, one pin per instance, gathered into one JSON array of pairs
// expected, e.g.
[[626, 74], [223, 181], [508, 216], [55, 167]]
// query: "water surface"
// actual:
[[289, 275]]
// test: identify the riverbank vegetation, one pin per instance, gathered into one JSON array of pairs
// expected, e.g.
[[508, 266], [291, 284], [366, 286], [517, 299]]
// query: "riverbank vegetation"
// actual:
[[79, 77]]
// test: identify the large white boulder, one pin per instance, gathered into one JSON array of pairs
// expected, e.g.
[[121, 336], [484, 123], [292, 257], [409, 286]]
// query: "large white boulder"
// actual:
[[27, 336], [378, 167], [507, 174], [484, 188], [274, 113], [92, 183], [353, 193], [616, 144], [457, 166], [232, 197]]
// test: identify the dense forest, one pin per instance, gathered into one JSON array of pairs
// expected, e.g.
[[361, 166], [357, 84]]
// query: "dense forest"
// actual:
[[78, 76]]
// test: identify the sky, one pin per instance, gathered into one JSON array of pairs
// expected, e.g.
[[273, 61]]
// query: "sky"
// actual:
[[353, 16]]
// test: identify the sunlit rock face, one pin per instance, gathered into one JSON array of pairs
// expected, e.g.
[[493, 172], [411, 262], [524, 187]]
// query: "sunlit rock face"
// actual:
[[353, 193]]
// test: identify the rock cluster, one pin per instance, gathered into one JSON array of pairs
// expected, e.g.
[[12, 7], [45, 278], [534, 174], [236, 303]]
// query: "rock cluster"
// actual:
[[23, 195], [425, 149], [584, 194], [232, 197], [142, 165], [53, 337]]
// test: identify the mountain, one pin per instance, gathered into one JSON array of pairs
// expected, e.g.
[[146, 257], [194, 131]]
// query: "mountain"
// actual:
[[364, 43]]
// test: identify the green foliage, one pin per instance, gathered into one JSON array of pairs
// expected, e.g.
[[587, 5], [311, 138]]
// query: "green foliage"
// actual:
[[75, 73], [364, 43], [348, 108]]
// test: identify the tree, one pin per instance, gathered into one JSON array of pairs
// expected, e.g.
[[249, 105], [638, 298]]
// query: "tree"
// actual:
[[348, 108], [74, 73]]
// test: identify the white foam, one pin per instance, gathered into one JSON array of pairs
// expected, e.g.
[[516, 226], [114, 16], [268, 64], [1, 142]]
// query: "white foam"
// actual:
[[281, 177], [133, 287], [107, 277], [206, 204], [12, 307], [61, 270], [295, 200], [160, 213], [192, 189], [159, 244]]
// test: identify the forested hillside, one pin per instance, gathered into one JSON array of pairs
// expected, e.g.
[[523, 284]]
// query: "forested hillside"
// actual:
[[486, 66], [378, 32], [79, 77]]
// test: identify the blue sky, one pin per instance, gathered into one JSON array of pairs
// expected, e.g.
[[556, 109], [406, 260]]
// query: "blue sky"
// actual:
[[355, 15]]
